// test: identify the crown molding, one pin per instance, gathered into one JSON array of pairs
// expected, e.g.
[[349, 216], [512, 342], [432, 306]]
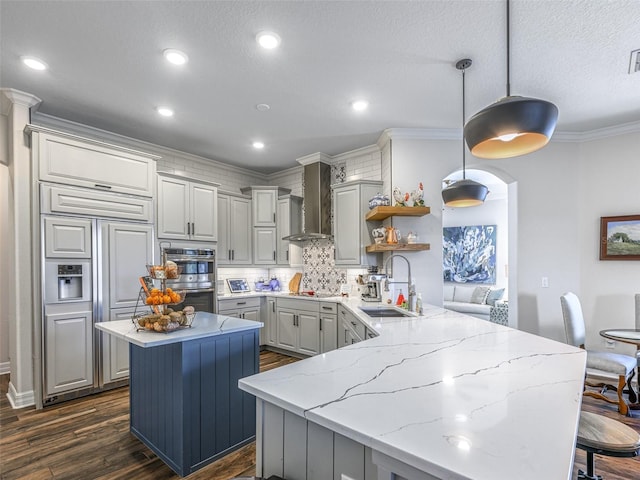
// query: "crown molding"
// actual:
[[623, 129], [314, 157], [11, 96], [46, 120]]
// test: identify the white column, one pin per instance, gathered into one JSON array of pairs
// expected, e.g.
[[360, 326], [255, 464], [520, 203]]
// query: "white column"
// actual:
[[21, 248]]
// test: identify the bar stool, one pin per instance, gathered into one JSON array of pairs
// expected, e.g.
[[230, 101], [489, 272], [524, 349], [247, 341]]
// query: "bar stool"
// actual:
[[604, 436]]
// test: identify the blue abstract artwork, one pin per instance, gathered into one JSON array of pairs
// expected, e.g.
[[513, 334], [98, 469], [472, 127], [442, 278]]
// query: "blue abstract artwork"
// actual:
[[469, 254]]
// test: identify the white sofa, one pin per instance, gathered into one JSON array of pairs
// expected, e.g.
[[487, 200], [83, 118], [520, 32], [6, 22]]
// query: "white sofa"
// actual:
[[472, 300]]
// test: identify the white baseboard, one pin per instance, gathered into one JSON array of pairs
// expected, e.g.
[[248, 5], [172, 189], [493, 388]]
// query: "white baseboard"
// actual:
[[5, 368], [20, 400]]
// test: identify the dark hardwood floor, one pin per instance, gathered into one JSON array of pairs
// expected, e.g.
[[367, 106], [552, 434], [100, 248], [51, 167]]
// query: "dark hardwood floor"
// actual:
[[88, 438]]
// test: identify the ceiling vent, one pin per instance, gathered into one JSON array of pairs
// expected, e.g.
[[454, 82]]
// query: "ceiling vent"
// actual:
[[634, 62]]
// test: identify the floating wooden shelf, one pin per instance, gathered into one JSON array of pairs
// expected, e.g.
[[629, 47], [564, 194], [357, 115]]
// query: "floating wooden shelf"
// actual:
[[380, 213], [397, 247]]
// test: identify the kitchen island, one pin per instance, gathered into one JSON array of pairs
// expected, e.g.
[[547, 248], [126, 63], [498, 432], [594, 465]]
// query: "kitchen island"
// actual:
[[185, 404], [442, 395]]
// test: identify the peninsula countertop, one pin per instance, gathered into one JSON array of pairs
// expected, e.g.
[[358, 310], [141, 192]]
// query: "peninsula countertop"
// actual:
[[448, 394], [204, 325]]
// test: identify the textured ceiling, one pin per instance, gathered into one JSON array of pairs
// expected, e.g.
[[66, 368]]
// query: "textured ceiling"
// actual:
[[107, 69]]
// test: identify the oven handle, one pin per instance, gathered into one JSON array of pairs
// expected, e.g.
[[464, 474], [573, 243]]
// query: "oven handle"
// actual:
[[197, 290]]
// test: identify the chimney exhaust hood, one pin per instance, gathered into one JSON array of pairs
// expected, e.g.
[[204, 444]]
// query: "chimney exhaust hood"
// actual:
[[317, 204]]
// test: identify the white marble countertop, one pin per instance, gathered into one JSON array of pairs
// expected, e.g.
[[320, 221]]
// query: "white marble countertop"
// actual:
[[204, 325], [451, 395]]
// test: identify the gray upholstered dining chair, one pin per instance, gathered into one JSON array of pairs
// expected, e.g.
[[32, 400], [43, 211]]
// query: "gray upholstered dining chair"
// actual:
[[605, 370]]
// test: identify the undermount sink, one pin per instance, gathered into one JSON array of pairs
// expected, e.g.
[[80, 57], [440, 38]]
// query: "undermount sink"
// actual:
[[384, 312]]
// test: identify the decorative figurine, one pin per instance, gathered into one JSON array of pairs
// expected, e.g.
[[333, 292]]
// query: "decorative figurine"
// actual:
[[399, 198], [417, 196]]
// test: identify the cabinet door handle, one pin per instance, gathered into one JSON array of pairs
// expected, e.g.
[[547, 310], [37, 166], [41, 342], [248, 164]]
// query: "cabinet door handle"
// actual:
[[324, 307], [274, 218], [274, 255], [345, 337], [273, 307], [107, 187], [193, 228], [321, 324], [229, 254], [233, 254], [353, 341], [287, 255], [188, 228], [353, 323], [294, 320], [241, 303]]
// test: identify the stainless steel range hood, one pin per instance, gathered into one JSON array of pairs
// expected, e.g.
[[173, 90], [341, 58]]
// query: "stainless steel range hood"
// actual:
[[317, 204]]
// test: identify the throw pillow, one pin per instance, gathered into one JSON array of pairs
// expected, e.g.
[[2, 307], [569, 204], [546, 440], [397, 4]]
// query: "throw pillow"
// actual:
[[448, 292], [494, 295], [479, 295], [463, 294]]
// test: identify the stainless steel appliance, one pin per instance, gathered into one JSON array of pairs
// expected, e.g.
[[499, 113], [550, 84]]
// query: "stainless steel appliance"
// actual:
[[90, 269], [371, 289], [198, 276]]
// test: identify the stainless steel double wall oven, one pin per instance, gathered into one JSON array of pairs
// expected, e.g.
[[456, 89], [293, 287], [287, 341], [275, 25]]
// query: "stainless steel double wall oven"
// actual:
[[198, 276]]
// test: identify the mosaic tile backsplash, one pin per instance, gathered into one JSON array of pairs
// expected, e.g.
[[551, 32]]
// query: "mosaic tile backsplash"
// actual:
[[319, 272]]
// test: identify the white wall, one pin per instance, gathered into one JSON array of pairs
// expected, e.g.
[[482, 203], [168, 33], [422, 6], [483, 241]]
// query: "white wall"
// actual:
[[610, 186], [5, 196]]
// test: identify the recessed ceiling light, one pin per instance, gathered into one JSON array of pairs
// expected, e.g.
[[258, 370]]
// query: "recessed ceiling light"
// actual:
[[360, 105], [262, 107], [33, 62], [175, 56], [268, 40], [165, 111], [258, 145]]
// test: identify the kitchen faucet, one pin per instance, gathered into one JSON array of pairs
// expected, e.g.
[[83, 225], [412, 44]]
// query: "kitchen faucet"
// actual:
[[410, 286]]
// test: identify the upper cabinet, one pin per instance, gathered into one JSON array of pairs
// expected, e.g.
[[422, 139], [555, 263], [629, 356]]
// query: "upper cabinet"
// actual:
[[187, 210], [234, 230], [264, 200], [73, 160], [351, 235], [288, 221]]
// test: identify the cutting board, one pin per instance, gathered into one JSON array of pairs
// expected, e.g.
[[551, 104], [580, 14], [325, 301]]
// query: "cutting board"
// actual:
[[294, 284]]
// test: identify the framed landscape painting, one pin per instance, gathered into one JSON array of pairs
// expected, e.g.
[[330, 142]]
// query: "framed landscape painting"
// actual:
[[469, 254], [620, 237]]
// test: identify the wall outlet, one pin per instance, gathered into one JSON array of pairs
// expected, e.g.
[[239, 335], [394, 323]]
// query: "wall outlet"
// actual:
[[610, 344], [545, 282]]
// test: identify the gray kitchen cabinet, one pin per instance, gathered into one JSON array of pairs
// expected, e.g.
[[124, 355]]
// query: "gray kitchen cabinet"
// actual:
[[67, 237], [234, 230], [115, 351], [351, 234], [187, 210], [69, 348], [298, 325], [350, 329], [247, 308], [288, 221], [264, 245], [264, 201], [328, 327], [270, 324], [65, 158]]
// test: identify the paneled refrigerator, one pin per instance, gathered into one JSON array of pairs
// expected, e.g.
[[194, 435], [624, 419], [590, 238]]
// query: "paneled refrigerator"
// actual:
[[90, 270]]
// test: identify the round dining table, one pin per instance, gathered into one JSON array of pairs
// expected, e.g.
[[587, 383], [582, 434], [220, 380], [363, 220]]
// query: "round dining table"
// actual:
[[625, 335]]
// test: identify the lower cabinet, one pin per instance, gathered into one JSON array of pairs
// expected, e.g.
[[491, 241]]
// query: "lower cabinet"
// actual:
[[351, 329], [305, 326], [270, 330], [247, 308], [115, 351]]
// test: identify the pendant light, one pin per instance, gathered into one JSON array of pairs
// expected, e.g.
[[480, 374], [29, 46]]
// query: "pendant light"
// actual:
[[513, 125], [464, 193]]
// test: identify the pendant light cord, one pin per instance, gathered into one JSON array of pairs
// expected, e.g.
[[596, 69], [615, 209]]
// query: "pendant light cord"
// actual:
[[508, 53], [464, 174]]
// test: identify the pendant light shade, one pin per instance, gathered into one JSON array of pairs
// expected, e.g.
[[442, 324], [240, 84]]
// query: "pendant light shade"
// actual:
[[510, 127], [464, 193], [513, 125]]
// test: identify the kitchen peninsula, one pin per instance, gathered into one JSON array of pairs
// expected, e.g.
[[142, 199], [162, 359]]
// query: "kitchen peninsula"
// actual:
[[185, 404], [443, 395]]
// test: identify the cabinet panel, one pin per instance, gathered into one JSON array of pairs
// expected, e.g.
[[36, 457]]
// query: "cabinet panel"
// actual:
[[320, 452], [127, 249], [309, 332], [115, 351], [264, 246], [203, 207], [234, 230], [68, 351], [67, 237], [173, 206], [295, 451], [84, 201], [287, 330], [328, 332], [271, 325], [88, 163], [348, 458], [264, 207], [288, 221], [347, 227]]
